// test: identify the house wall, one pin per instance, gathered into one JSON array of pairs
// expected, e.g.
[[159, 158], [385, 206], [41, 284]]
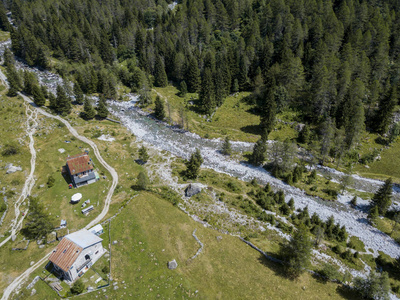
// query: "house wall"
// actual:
[[81, 258]]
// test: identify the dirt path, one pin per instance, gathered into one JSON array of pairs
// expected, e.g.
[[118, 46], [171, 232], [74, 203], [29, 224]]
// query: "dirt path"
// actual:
[[96, 152], [31, 125], [21, 278]]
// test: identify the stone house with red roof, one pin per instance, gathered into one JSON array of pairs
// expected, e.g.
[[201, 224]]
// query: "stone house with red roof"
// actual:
[[80, 168]]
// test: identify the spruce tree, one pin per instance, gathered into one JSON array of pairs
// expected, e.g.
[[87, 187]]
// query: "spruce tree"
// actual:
[[38, 96], [63, 101], [30, 81], [226, 147], [53, 101], [193, 76], [207, 97], [102, 111], [88, 110], [78, 93], [383, 197], [297, 253], [384, 114], [183, 88], [267, 119], [143, 156], [8, 57], [14, 80], [258, 155], [159, 111], [142, 181], [160, 77], [193, 165]]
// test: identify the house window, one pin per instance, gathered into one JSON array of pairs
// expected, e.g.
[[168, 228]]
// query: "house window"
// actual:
[[87, 256], [97, 251]]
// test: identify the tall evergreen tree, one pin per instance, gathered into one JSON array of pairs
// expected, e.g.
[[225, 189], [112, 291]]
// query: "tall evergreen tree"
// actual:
[[159, 111], [193, 76], [193, 165], [183, 88], [384, 114], [14, 80], [102, 110], [160, 77], [297, 253], [207, 97], [63, 101], [8, 57], [88, 110], [38, 96], [258, 155], [226, 147], [383, 197], [78, 94], [268, 113]]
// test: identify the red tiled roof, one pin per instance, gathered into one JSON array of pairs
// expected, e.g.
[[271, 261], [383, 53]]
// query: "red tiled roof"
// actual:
[[65, 254], [79, 163]]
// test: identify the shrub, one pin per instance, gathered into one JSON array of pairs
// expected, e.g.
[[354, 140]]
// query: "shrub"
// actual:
[[3, 206], [106, 269], [50, 181], [330, 272], [10, 150], [78, 287]]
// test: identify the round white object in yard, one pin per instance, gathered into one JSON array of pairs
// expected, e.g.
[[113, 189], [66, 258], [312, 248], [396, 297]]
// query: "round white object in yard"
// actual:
[[76, 197]]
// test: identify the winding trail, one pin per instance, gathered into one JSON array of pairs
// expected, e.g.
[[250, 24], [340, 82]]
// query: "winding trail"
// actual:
[[30, 180], [29, 184]]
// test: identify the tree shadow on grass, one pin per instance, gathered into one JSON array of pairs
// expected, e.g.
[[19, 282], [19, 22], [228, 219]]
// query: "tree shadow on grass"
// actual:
[[274, 266], [252, 129]]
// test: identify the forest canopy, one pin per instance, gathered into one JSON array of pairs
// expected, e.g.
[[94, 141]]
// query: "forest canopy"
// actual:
[[336, 62]]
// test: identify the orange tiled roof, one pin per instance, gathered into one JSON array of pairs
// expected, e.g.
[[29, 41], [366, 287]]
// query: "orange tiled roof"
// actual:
[[65, 254], [79, 163]]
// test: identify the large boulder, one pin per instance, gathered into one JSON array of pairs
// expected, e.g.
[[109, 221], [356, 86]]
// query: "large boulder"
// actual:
[[192, 190], [172, 264]]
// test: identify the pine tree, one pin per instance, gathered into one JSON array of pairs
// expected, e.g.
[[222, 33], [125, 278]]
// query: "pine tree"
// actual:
[[88, 110], [143, 156], [30, 81], [207, 97], [258, 155], [193, 76], [384, 114], [63, 101], [267, 119], [193, 165], [235, 86], [4, 24], [53, 101], [39, 223], [226, 147], [78, 93], [142, 181], [8, 57], [183, 88], [297, 253], [383, 197], [14, 80], [38, 96], [159, 111], [102, 111], [160, 77]]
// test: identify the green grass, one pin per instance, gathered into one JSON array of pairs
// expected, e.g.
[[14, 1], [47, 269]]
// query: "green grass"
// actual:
[[4, 35], [356, 244], [235, 118]]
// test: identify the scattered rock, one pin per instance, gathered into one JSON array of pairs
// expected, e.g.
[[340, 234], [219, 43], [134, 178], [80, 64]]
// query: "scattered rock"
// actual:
[[32, 263], [172, 264], [33, 292], [61, 150], [41, 246], [116, 287], [41, 186], [219, 238], [13, 237], [12, 169], [106, 138], [89, 288], [192, 190], [115, 242]]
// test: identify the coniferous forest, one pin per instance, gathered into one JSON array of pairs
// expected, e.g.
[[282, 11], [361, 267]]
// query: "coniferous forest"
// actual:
[[335, 62]]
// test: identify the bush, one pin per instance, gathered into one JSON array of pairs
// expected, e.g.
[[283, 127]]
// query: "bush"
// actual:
[[50, 181], [3, 206], [329, 272], [331, 192], [10, 150], [78, 287], [106, 269]]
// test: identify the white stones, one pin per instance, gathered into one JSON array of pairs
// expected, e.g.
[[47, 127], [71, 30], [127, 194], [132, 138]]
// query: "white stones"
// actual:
[[172, 265]]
